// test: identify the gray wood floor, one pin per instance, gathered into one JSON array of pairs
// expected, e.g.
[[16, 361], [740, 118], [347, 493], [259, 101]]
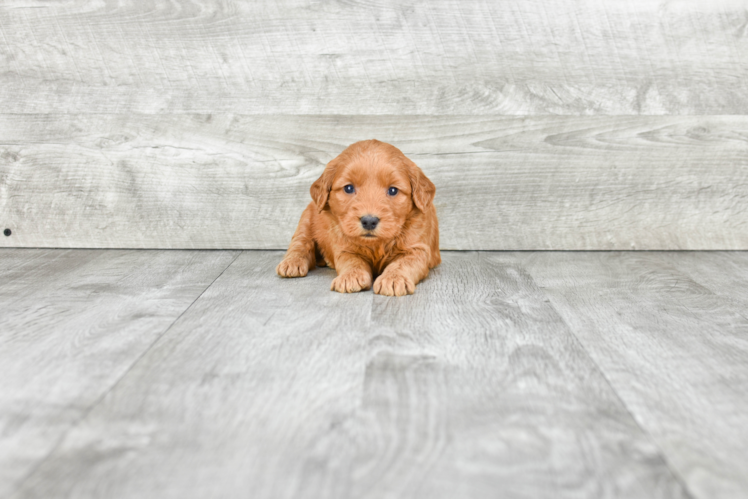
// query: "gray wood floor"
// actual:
[[201, 373]]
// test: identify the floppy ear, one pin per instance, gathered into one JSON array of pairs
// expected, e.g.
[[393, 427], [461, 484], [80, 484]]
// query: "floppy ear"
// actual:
[[320, 190], [422, 189]]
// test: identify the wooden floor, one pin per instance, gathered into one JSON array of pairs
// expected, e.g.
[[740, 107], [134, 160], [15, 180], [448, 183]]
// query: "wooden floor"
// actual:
[[201, 373]]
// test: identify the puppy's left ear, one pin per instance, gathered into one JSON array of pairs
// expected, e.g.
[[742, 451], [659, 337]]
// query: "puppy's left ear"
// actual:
[[320, 190], [422, 189]]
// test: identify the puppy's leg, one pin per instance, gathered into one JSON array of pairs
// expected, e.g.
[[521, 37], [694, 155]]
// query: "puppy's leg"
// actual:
[[402, 275], [300, 257], [354, 274]]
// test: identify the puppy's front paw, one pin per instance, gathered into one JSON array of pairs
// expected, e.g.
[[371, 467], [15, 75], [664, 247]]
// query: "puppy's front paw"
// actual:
[[293, 266], [394, 284], [351, 281]]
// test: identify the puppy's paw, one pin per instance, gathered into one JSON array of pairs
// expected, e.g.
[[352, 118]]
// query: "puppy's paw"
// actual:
[[351, 281], [394, 284], [293, 266]]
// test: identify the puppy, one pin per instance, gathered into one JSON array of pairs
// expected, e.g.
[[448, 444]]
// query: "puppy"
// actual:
[[372, 217]]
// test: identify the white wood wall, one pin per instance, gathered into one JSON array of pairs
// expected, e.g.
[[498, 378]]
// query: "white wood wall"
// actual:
[[545, 125]]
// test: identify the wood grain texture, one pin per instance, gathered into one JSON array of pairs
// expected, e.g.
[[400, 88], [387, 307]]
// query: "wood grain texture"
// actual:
[[375, 57], [722, 273], [249, 379], [477, 378], [237, 181], [72, 322], [676, 352], [266, 387]]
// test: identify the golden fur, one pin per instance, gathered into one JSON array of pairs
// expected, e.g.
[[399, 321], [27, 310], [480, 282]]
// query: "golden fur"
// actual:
[[402, 247]]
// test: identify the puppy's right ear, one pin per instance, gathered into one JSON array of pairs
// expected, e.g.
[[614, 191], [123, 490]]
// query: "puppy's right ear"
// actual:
[[320, 190]]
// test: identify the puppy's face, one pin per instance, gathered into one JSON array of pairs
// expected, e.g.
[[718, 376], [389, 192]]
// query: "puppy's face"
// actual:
[[370, 197], [371, 189]]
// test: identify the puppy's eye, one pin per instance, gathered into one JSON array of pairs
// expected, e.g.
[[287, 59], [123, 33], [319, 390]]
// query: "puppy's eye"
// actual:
[[348, 188], [392, 191]]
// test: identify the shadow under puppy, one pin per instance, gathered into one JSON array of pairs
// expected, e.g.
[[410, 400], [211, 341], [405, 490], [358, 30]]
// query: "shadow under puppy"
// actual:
[[372, 216]]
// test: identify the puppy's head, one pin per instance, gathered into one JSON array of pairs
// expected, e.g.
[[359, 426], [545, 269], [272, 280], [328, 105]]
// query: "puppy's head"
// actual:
[[371, 188]]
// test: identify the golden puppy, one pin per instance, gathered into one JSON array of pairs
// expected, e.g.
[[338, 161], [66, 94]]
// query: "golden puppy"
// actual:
[[372, 216]]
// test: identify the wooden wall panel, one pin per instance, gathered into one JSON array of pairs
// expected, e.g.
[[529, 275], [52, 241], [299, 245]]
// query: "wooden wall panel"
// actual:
[[514, 57], [238, 181], [564, 125]]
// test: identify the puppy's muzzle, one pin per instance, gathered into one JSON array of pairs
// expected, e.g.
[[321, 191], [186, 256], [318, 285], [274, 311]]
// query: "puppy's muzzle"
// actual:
[[369, 222]]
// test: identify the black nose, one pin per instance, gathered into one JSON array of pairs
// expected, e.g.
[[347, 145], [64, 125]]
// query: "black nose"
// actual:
[[369, 222]]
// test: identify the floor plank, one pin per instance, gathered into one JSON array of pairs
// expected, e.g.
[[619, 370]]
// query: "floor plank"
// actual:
[[675, 351], [72, 322], [503, 183], [723, 273], [228, 402], [474, 386]]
